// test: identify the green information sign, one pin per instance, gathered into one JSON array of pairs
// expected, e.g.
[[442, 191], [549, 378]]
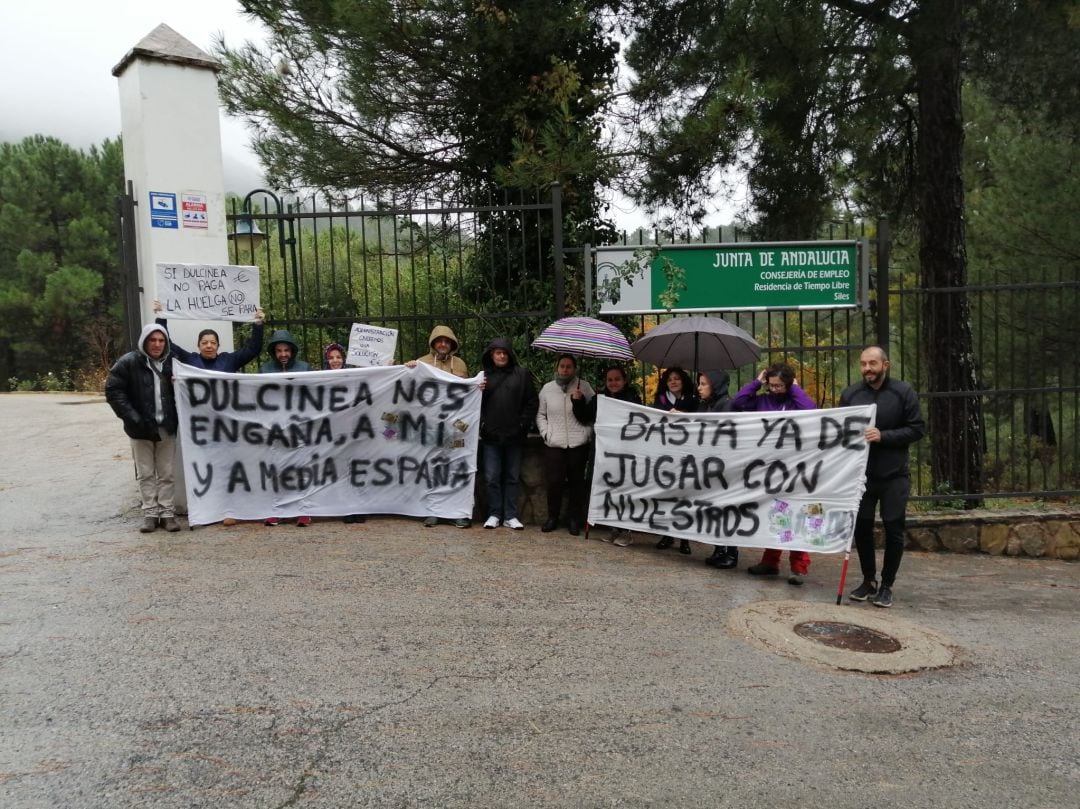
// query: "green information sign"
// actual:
[[753, 276], [781, 275]]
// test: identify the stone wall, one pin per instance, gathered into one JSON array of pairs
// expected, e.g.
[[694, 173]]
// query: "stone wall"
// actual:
[[1039, 534]]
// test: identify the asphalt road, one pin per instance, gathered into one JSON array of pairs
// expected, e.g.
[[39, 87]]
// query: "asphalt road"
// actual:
[[389, 665]]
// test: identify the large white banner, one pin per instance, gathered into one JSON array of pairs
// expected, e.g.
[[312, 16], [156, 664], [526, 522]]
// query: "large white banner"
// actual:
[[789, 480], [207, 291], [391, 440]]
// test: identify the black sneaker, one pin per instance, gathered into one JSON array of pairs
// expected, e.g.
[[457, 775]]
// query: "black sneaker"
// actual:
[[863, 591], [883, 598]]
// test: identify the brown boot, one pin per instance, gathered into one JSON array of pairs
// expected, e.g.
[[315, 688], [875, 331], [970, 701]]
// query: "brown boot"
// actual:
[[149, 525], [170, 524]]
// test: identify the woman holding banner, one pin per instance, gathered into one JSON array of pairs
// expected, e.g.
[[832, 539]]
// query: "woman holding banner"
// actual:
[[208, 357], [712, 391], [566, 453], [617, 386], [775, 389], [676, 394]]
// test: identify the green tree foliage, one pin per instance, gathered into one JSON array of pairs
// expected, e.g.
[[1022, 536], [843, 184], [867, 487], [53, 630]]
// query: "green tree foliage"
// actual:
[[60, 284], [453, 97], [822, 102]]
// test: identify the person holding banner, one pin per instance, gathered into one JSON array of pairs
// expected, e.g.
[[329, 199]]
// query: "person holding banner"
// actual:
[[139, 390], [774, 390], [712, 389], [284, 350], [899, 424], [615, 385], [334, 357], [507, 411], [675, 395], [284, 354], [566, 451], [334, 360], [676, 392], [443, 354], [208, 357]]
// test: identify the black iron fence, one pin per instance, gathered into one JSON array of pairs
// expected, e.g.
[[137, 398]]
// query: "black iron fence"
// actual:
[[497, 269]]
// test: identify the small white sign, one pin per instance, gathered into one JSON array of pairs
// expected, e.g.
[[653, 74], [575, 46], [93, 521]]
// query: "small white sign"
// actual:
[[371, 345], [208, 291], [194, 211]]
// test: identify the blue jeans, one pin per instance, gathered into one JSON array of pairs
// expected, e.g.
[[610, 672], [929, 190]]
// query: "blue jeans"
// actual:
[[502, 477]]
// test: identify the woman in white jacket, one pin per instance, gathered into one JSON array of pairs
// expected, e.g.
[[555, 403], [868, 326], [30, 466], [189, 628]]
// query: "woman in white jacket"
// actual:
[[567, 445]]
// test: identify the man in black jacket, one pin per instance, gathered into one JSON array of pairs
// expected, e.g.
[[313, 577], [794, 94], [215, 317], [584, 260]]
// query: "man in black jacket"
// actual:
[[899, 423], [139, 390], [507, 412]]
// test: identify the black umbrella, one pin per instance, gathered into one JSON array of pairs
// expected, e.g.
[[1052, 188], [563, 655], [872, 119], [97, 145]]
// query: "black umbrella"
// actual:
[[697, 342]]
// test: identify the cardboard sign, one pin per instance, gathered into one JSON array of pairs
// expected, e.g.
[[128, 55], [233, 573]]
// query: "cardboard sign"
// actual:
[[371, 346], [208, 291]]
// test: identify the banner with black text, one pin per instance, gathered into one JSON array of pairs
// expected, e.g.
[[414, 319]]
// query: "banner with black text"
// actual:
[[789, 480], [390, 440]]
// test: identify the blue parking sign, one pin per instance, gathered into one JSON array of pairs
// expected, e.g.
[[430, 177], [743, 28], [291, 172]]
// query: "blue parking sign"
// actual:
[[163, 213]]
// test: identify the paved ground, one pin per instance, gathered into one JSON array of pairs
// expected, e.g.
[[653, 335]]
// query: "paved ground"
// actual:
[[394, 666]]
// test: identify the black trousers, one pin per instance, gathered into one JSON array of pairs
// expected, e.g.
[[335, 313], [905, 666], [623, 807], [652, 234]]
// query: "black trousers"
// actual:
[[892, 496], [564, 469]]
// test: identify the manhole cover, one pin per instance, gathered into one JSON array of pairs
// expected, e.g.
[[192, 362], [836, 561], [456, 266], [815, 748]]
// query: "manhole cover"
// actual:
[[851, 637]]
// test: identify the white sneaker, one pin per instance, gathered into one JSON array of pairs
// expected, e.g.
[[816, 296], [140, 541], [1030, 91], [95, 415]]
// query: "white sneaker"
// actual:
[[515, 523], [491, 522]]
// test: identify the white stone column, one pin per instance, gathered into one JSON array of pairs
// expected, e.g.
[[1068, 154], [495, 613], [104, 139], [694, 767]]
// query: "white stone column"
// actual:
[[172, 148]]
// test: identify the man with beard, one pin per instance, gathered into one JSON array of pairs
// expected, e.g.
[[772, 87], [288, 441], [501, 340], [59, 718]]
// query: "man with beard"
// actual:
[[899, 423]]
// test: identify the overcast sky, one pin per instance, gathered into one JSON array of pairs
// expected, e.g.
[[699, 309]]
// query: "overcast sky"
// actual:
[[57, 56], [56, 61]]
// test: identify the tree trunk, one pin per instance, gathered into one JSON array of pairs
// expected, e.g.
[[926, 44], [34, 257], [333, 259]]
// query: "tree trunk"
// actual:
[[955, 421]]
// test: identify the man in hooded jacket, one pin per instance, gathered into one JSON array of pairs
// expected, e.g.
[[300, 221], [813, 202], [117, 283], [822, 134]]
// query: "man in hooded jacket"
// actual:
[[507, 411], [444, 345], [283, 352], [139, 390]]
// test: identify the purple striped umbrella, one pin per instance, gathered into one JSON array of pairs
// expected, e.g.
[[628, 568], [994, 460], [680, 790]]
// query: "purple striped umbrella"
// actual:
[[585, 337]]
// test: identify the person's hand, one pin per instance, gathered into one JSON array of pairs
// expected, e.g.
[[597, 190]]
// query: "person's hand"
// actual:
[[872, 434], [577, 394], [260, 316], [483, 383], [157, 305], [410, 364], [763, 377]]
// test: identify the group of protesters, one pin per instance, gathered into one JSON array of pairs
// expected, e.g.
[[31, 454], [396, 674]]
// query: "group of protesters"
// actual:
[[139, 389]]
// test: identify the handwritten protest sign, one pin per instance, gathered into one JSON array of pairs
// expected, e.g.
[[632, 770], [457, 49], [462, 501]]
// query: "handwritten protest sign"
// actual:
[[789, 480], [327, 443], [208, 291], [371, 345]]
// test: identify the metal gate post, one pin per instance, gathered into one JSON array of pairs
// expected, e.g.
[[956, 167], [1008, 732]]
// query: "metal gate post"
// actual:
[[557, 249], [884, 243], [129, 264]]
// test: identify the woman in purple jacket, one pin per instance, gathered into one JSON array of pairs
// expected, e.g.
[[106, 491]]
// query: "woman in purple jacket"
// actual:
[[775, 389]]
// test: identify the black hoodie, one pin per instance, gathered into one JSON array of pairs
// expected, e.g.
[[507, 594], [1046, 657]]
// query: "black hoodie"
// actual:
[[720, 400], [510, 403]]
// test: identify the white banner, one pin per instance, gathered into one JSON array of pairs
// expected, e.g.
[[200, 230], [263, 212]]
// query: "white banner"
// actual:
[[328, 443], [789, 480], [371, 345], [207, 291]]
